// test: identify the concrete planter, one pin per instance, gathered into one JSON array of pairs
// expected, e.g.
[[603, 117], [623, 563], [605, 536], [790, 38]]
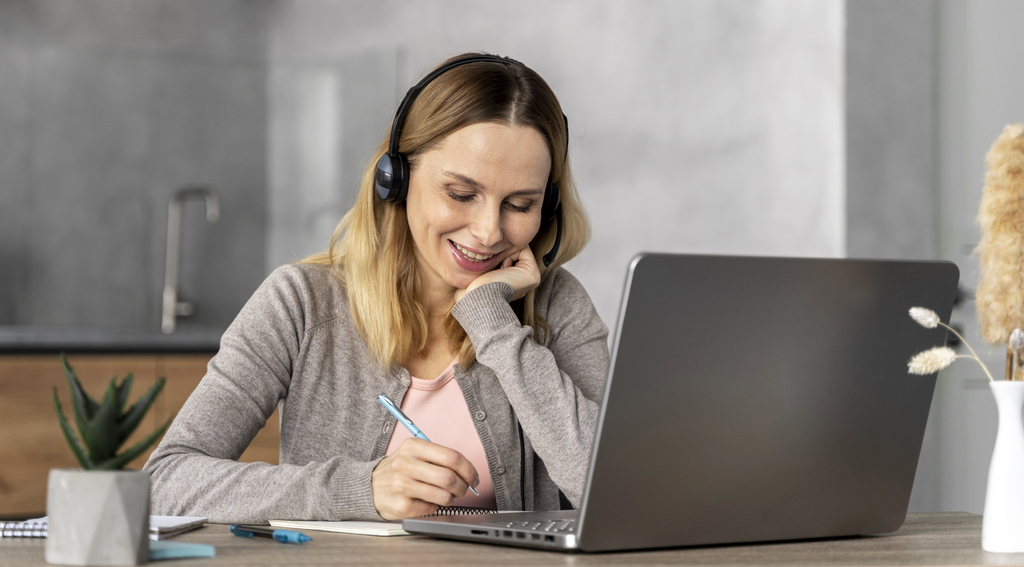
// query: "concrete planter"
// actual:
[[97, 517]]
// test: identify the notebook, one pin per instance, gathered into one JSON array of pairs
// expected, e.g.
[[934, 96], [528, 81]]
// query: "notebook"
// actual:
[[160, 527], [372, 528], [748, 399]]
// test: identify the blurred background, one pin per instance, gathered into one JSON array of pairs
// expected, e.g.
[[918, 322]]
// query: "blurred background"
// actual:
[[822, 128]]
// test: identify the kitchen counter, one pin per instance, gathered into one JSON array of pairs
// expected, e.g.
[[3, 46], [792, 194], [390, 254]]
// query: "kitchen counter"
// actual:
[[42, 340]]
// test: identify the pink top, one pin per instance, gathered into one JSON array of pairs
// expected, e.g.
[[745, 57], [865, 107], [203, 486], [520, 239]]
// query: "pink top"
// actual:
[[438, 408]]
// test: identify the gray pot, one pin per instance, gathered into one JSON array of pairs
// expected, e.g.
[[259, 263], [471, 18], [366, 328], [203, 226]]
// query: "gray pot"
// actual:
[[97, 517]]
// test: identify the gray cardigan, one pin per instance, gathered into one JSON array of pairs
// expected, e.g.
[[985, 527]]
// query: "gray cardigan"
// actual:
[[294, 346]]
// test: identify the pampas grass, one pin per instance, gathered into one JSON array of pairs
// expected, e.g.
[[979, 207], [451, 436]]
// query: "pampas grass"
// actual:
[[932, 360], [938, 358], [1000, 295]]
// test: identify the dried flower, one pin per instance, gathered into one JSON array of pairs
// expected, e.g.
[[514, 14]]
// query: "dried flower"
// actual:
[[931, 360], [1000, 295], [926, 317], [935, 359], [1016, 342]]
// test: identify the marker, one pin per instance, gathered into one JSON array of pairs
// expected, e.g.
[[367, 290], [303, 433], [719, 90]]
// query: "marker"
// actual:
[[404, 420], [283, 536]]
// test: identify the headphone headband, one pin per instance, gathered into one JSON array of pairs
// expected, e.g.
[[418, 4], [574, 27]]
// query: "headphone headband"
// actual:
[[410, 96]]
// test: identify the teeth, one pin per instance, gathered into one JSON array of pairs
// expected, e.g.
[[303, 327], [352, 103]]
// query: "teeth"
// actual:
[[473, 255]]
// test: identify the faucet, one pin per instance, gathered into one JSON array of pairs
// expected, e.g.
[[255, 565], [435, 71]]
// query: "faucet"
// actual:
[[172, 307]]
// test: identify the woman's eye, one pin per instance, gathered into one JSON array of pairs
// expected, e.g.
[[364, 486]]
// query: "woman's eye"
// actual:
[[517, 209], [458, 197]]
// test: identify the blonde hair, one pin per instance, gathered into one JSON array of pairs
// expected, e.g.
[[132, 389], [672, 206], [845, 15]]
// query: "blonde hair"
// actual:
[[372, 251]]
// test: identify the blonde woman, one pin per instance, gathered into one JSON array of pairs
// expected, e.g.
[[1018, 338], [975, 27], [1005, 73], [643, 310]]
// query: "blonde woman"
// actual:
[[441, 288]]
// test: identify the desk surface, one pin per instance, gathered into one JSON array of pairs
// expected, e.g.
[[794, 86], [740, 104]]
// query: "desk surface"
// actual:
[[948, 538]]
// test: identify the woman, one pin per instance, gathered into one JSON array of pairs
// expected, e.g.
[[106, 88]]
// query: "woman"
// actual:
[[434, 298]]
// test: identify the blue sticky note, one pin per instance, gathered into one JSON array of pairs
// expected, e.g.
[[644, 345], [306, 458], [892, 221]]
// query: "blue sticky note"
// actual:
[[178, 550]]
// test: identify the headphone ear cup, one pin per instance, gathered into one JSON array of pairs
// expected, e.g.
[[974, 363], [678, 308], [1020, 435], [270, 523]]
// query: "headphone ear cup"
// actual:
[[391, 180]]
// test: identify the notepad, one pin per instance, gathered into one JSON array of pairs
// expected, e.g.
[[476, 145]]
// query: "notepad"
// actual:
[[160, 527], [348, 527], [163, 527], [373, 528]]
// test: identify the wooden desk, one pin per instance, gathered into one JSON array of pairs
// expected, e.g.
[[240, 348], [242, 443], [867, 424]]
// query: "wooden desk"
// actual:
[[949, 538]]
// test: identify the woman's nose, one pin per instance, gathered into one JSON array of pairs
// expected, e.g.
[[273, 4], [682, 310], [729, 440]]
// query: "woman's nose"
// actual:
[[486, 226]]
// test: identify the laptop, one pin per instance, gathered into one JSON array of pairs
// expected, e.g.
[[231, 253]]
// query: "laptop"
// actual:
[[749, 399]]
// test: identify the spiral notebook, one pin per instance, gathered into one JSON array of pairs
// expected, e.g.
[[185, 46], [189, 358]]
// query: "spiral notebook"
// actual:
[[160, 527], [373, 528]]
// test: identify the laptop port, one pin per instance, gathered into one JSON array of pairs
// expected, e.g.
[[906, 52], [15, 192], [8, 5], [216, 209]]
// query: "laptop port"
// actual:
[[549, 539], [507, 533], [479, 532], [520, 535]]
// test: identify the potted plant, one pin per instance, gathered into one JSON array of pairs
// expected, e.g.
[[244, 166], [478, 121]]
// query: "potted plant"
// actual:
[[99, 514]]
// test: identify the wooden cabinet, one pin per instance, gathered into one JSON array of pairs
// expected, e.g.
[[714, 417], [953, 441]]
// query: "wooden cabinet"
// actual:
[[31, 442]]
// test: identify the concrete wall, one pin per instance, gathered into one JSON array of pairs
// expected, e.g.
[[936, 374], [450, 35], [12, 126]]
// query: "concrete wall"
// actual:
[[106, 107], [695, 126]]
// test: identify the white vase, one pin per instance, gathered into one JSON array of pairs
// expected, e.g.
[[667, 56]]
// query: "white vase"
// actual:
[[97, 517], [1003, 525]]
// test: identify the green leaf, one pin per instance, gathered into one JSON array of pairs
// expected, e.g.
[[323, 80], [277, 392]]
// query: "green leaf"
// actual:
[[122, 392], [69, 435], [84, 406], [131, 420], [128, 456], [100, 432]]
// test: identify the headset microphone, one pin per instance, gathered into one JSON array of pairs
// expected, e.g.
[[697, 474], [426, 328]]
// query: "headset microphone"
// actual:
[[391, 180]]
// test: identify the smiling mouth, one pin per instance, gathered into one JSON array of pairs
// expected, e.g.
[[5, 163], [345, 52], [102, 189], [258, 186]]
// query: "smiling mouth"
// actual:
[[472, 256]]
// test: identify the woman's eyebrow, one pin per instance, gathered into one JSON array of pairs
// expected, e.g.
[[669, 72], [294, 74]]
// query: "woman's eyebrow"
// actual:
[[476, 185], [462, 178]]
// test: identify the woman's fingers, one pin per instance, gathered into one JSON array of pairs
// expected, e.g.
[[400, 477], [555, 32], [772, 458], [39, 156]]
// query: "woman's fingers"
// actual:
[[419, 477], [519, 270]]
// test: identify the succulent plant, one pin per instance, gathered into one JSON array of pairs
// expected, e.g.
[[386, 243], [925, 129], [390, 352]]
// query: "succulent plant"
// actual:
[[105, 426]]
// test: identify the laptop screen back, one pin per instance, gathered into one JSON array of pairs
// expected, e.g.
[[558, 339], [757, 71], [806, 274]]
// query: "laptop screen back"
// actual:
[[755, 399]]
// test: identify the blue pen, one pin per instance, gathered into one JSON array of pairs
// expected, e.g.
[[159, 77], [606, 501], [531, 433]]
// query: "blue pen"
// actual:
[[283, 536], [404, 420]]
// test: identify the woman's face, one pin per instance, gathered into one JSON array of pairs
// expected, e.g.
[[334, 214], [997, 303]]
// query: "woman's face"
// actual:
[[475, 199]]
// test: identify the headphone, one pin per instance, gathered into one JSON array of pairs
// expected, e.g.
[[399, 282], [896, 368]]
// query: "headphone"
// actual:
[[391, 180]]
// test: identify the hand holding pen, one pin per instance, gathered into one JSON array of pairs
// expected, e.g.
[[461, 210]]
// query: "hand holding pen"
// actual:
[[404, 420], [417, 478]]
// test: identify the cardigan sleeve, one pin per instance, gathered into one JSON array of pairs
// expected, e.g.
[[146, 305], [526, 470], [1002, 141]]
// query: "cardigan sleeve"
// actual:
[[195, 471], [556, 389]]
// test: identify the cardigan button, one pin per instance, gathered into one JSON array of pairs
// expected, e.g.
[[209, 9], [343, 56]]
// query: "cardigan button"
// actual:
[[480, 415], [499, 470]]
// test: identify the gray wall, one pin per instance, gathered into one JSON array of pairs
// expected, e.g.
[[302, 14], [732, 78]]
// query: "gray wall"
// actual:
[[891, 200], [695, 126], [106, 107]]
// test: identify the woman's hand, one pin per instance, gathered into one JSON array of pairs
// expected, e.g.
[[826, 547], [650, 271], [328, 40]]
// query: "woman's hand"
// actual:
[[519, 270], [419, 477]]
